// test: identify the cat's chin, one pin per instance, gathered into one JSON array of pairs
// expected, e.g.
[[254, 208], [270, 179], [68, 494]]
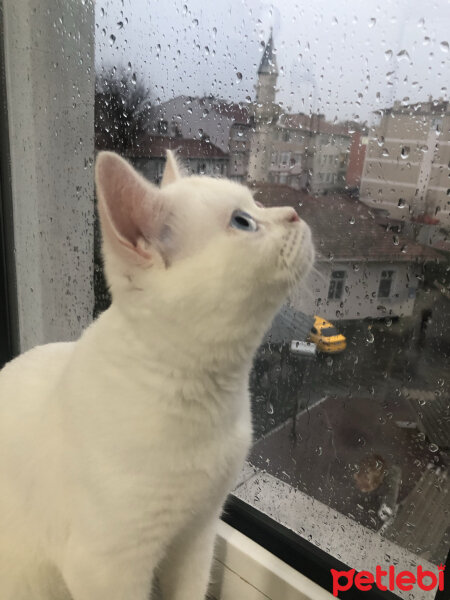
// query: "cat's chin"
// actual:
[[296, 256]]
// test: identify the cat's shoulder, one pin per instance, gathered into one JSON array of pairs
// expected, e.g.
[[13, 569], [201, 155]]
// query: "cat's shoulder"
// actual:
[[39, 362]]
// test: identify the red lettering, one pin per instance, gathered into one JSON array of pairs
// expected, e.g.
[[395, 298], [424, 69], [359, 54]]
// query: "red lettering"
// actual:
[[405, 580], [420, 576], [338, 587], [441, 569], [379, 574], [391, 578], [364, 581]]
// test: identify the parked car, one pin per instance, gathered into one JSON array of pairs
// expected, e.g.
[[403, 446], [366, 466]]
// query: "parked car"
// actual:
[[326, 337]]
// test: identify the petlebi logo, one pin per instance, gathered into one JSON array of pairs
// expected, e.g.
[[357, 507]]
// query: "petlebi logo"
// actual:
[[389, 579]]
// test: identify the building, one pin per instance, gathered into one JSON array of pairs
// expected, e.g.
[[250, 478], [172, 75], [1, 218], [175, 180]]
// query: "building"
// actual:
[[356, 159], [199, 157], [205, 118], [264, 116], [361, 269], [406, 170], [302, 151]]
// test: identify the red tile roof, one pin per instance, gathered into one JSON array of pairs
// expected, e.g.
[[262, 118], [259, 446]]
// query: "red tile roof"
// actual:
[[344, 228]]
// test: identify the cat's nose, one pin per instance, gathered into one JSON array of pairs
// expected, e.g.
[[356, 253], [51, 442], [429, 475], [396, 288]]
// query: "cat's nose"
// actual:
[[292, 216]]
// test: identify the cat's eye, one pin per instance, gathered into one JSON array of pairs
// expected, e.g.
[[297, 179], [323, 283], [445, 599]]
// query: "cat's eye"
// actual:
[[242, 220]]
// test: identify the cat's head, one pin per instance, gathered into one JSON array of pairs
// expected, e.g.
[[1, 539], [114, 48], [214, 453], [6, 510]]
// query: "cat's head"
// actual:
[[197, 253]]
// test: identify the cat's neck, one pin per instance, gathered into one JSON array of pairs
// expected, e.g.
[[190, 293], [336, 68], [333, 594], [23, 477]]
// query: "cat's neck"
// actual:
[[170, 346]]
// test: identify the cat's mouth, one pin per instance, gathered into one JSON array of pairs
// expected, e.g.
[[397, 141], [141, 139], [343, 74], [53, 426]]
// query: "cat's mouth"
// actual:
[[296, 254]]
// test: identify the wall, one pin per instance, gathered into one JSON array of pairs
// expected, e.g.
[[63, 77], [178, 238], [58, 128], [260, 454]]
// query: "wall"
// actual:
[[49, 54], [360, 297]]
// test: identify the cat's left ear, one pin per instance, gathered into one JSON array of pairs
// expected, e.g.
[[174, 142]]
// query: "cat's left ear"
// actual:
[[172, 171], [132, 211]]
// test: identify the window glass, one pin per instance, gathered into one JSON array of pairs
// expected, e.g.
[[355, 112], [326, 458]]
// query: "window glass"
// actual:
[[351, 443]]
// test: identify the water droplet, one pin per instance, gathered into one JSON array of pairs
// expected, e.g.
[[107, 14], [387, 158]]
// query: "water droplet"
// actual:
[[269, 408], [133, 79], [372, 22], [319, 450], [112, 39], [433, 447], [120, 25], [352, 220], [239, 76], [396, 240], [388, 54], [444, 46], [401, 203], [370, 337], [403, 55]]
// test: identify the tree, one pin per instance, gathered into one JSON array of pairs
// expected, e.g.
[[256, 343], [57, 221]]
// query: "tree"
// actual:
[[122, 105]]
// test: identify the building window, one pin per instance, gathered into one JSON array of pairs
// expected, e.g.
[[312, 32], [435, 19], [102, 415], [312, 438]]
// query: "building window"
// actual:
[[384, 290], [286, 136], [336, 288], [163, 126], [283, 178], [285, 158]]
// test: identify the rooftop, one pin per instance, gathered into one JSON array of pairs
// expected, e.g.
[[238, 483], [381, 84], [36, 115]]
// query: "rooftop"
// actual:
[[268, 64], [344, 228], [155, 146]]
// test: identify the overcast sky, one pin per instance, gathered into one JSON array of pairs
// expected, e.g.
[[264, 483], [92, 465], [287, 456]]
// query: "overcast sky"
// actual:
[[345, 58]]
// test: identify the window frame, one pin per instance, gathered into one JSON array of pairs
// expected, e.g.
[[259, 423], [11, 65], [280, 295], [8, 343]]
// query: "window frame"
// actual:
[[335, 280], [9, 325], [302, 555]]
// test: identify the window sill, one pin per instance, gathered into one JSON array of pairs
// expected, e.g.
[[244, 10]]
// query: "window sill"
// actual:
[[243, 569]]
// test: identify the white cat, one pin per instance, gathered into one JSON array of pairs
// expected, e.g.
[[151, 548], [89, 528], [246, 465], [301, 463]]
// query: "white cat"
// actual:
[[117, 451]]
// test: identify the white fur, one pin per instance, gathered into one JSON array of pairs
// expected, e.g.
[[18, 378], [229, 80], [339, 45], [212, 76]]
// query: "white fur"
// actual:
[[117, 451]]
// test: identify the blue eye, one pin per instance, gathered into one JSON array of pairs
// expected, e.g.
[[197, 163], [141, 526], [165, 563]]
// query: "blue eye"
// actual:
[[242, 220]]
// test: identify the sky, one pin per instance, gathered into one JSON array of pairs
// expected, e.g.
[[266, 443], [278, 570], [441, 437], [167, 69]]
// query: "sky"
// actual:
[[343, 58]]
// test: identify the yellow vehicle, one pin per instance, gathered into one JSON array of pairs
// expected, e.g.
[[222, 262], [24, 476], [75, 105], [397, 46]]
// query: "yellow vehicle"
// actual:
[[326, 337]]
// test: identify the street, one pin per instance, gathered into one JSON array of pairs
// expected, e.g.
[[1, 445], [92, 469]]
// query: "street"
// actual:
[[320, 423]]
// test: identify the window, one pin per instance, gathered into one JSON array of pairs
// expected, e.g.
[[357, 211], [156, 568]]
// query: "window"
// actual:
[[163, 126], [384, 291], [336, 288], [350, 461], [285, 158]]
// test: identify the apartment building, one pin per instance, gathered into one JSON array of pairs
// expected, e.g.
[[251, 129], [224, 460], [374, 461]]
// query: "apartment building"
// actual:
[[406, 169]]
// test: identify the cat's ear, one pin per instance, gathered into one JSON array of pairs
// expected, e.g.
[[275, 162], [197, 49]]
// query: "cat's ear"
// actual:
[[172, 170], [130, 207]]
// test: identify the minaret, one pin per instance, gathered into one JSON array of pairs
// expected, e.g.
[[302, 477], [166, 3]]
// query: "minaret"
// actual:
[[265, 114]]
